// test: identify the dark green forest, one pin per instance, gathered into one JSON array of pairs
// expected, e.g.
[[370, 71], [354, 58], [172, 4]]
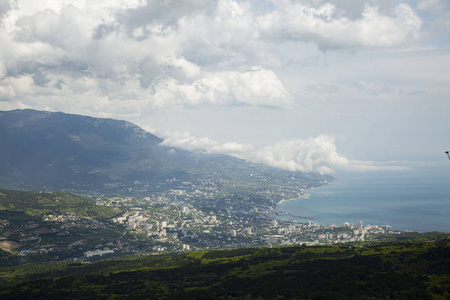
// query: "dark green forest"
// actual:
[[410, 269]]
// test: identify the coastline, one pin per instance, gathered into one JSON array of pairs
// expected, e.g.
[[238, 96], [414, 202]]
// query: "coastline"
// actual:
[[412, 203], [305, 195], [285, 200]]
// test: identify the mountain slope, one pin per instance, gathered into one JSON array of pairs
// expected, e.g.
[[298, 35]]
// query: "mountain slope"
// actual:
[[46, 150], [63, 150]]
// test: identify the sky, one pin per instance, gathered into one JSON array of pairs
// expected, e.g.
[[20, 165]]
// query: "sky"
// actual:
[[308, 85]]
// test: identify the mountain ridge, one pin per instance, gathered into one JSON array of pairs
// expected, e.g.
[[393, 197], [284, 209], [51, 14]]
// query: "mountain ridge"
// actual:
[[41, 147], [56, 150]]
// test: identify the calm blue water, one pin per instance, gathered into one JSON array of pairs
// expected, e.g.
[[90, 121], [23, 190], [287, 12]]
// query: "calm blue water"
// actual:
[[408, 201]]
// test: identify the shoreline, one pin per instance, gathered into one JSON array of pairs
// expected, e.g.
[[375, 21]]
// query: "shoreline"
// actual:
[[305, 195], [309, 193], [286, 200]]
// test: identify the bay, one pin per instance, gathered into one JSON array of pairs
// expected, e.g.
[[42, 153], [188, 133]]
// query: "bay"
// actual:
[[416, 201]]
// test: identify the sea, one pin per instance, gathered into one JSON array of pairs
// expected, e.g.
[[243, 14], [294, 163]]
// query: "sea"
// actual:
[[417, 200]]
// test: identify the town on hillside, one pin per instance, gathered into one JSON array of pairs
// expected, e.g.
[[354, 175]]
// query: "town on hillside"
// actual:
[[203, 214]]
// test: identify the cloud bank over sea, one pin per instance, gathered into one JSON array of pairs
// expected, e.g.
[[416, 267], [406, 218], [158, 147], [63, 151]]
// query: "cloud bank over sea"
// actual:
[[309, 155]]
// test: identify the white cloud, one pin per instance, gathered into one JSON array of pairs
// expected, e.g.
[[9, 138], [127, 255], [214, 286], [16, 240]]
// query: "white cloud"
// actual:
[[433, 5], [5, 6], [322, 88], [184, 140], [383, 88], [158, 54], [256, 86], [364, 166], [317, 154], [69, 29], [374, 88], [166, 54], [440, 23], [328, 28], [369, 166], [311, 155]]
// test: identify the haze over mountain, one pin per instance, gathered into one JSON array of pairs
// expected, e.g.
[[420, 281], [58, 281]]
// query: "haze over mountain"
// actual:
[[63, 151]]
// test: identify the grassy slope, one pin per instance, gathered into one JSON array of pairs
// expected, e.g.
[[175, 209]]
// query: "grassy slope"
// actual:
[[395, 270], [36, 205]]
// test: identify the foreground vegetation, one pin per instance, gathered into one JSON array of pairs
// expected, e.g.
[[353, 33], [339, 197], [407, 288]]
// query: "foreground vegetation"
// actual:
[[412, 269]]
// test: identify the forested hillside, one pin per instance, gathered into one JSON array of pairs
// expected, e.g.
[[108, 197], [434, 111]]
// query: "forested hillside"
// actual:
[[417, 269]]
